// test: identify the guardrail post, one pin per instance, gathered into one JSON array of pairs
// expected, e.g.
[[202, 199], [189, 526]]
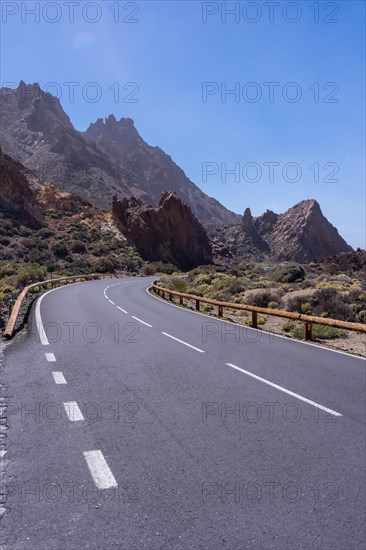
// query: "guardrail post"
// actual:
[[197, 305], [181, 300], [170, 296], [254, 319], [221, 311], [308, 330]]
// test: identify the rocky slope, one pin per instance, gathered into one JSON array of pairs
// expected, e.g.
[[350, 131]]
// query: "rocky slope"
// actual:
[[109, 157], [44, 228], [16, 195], [301, 234], [169, 232]]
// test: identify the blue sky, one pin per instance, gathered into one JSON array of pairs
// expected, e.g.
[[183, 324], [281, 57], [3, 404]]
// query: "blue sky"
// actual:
[[169, 51]]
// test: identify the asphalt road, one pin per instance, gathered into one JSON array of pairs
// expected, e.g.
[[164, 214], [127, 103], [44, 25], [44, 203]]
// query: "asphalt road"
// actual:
[[132, 424]]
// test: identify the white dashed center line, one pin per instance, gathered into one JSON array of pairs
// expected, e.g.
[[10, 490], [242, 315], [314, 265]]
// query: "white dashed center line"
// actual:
[[140, 321], [59, 377], [313, 403], [181, 341], [73, 412], [99, 469], [50, 357], [124, 311]]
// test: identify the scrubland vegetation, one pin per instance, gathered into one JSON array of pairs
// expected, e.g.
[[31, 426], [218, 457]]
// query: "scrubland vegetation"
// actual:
[[312, 289]]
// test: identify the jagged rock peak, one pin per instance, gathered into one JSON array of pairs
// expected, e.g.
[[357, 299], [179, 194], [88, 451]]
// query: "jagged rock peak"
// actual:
[[302, 233], [247, 222]]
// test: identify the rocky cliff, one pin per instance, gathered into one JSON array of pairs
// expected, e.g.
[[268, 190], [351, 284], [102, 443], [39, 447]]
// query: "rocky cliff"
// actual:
[[16, 195], [169, 232]]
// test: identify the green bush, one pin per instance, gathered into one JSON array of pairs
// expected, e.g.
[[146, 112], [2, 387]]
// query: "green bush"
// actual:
[[263, 299], [178, 284], [288, 326], [288, 273], [361, 316], [305, 307], [104, 265], [60, 250], [77, 247], [44, 233]]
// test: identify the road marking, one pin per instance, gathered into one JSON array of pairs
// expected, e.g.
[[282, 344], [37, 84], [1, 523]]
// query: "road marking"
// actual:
[[50, 357], [42, 334], [73, 411], [313, 403], [181, 341], [59, 377], [111, 302], [271, 335], [140, 321], [124, 311], [99, 469]]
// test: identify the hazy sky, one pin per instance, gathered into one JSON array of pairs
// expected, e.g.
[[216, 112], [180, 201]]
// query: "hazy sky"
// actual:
[[291, 128]]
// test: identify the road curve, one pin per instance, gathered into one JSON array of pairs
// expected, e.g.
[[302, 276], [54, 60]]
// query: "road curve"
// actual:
[[133, 424]]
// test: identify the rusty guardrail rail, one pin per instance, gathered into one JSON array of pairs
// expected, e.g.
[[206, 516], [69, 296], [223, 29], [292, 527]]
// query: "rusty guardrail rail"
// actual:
[[309, 320], [11, 324]]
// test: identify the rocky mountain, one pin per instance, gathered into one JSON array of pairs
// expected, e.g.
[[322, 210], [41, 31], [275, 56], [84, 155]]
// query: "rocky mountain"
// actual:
[[16, 196], [301, 234], [151, 171], [170, 232], [110, 157]]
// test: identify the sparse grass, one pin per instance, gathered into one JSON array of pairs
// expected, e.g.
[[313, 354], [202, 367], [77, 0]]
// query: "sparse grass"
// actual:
[[319, 332]]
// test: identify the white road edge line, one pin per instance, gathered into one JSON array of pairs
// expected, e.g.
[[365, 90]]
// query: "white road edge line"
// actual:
[[73, 412], [42, 334], [59, 377], [181, 341], [140, 321], [99, 469], [124, 311], [50, 357], [313, 403]]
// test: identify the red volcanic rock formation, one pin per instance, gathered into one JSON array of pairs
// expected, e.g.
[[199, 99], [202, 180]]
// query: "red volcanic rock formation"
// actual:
[[169, 233]]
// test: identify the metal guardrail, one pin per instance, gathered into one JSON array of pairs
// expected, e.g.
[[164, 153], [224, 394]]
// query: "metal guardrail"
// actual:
[[54, 283], [309, 320]]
